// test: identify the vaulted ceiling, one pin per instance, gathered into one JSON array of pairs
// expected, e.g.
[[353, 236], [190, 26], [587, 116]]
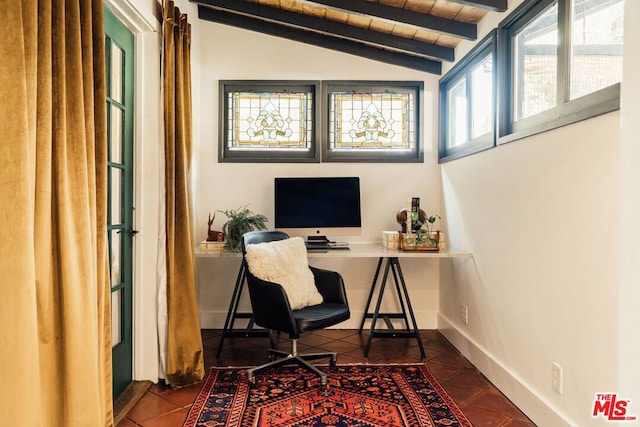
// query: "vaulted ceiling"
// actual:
[[417, 34]]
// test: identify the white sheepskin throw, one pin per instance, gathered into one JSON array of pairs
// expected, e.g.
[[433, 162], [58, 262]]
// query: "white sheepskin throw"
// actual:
[[285, 262]]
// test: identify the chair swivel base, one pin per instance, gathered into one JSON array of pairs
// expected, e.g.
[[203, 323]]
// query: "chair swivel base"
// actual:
[[280, 358]]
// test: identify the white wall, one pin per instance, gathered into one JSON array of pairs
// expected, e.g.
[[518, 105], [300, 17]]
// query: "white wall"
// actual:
[[544, 220], [231, 53], [541, 217]]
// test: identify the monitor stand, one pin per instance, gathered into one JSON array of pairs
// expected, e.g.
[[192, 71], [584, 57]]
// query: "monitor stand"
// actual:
[[321, 243]]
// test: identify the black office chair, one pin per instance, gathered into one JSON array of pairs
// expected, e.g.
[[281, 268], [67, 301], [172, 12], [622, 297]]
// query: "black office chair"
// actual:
[[271, 310]]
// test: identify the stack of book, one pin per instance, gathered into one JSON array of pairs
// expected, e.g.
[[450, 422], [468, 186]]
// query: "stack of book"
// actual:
[[211, 246]]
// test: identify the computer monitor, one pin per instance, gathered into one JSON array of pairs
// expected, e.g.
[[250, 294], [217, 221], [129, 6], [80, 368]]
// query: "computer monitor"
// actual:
[[317, 207]]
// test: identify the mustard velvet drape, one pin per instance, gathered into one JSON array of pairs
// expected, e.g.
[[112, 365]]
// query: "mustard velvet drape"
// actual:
[[185, 358], [55, 352]]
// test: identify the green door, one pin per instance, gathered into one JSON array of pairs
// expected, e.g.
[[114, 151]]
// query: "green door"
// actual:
[[119, 69]]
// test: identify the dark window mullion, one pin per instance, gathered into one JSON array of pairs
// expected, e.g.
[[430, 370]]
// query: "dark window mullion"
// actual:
[[469, 95], [518, 100], [504, 92], [564, 53]]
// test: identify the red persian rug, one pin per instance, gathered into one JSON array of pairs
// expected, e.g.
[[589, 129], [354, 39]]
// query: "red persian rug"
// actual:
[[356, 396]]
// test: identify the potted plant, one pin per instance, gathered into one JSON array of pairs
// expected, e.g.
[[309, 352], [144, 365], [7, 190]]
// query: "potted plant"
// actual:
[[425, 235], [422, 236], [240, 221]]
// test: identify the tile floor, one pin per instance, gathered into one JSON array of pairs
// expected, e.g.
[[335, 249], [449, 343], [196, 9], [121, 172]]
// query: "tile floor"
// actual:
[[481, 402]]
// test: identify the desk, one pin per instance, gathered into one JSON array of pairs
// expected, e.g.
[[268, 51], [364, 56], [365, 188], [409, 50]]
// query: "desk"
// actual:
[[357, 250]]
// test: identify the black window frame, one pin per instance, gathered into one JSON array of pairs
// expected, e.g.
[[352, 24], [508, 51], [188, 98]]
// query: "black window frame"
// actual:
[[463, 69], [567, 110], [262, 155]]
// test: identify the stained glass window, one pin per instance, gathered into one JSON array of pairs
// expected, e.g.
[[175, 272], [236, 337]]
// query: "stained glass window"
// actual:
[[370, 121], [270, 121]]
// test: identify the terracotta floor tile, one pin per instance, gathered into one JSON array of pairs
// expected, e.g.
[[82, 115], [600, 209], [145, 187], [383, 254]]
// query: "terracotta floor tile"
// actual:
[[126, 423], [452, 358], [484, 418], [518, 422], [493, 400], [183, 397], [170, 419], [150, 406], [460, 393], [442, 372], [471, 377]]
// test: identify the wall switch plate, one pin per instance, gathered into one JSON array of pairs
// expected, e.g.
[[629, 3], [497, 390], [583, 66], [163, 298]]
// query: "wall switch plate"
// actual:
[[464, 314], [556, 381]]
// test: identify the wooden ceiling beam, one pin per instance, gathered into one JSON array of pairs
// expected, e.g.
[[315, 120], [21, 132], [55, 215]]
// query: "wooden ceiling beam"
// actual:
[[493, 5], [397, 15], [328, 42], [328, 27]]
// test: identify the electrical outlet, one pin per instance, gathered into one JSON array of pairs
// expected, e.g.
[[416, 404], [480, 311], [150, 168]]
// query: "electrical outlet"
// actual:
[[464, 314], [556, 380]]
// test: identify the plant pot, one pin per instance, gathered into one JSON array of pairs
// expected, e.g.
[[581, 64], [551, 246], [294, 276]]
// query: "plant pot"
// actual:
[[423, 241]]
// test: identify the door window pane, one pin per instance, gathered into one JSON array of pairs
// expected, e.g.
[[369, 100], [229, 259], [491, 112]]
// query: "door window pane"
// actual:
[[535, 65], [115, 258], [116, 314], [116, 196], [116, 80], [596, 45], [116, 114]]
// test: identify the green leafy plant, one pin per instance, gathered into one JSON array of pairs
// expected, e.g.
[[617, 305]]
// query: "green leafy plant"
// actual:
[[241, 221], [426, 232]]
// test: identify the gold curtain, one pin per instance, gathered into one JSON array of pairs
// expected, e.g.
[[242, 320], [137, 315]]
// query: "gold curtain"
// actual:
[[185, 359], [55, 356]]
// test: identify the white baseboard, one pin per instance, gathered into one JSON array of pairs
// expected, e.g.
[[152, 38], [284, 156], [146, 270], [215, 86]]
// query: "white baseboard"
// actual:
[[526, 399], [216, 319]]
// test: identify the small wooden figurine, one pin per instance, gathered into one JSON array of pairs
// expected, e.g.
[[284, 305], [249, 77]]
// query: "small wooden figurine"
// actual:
[[212, 235]]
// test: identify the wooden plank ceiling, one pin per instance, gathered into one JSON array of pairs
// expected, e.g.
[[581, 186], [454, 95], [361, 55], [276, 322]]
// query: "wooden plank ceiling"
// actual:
[[417, 34]]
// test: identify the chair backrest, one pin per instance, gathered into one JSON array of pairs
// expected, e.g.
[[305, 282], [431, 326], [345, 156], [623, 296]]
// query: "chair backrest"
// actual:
[[261, 236], [268, 312]]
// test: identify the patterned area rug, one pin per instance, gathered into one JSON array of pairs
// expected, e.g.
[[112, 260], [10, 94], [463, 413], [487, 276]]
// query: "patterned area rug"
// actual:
[[356, 396]]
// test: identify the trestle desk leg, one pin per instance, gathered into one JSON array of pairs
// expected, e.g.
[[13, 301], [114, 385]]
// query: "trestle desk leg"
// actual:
[[232, 314], [411, 330], [373, 288]]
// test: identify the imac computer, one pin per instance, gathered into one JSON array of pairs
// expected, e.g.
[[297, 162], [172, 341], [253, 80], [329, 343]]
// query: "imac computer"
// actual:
[[317, 207]]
